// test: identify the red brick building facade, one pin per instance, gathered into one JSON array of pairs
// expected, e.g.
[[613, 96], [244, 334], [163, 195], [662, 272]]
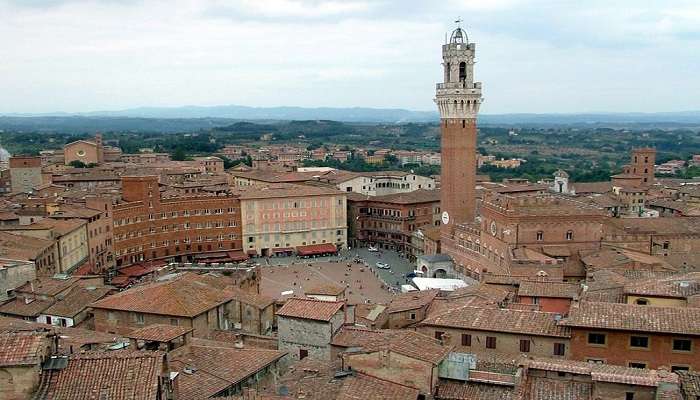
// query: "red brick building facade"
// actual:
[[389, 221], [635, 336], [148, 227]]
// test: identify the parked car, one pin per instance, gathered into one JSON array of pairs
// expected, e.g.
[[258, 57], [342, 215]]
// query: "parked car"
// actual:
[[382, 265], [372, 249]]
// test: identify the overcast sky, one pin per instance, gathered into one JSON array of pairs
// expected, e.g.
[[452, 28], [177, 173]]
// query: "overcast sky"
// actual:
[[533, 56]]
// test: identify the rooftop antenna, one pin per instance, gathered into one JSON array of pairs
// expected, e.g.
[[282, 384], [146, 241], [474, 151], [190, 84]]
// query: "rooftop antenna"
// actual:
[[458, 21]]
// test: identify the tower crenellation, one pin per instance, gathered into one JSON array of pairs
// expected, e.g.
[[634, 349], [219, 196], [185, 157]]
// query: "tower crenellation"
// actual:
[[458, 96]]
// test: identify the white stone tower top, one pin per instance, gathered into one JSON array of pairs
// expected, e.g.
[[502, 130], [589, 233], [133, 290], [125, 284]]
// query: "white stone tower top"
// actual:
[[458, 96]]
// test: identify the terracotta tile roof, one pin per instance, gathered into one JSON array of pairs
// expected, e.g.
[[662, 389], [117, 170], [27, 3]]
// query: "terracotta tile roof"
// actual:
[[310, 379], [549, 289], [659, 226], [47, 286], [690, 383], [75, 337], [611, 295], [21, 348], [310, 309], [254, 299], [592, 187], [77, 300], [348, 336], [22, 247], [184, 296], [120, 375], [444, 304], [452, 390], [19, 307], [406, 342], [416, 196], [283, 191], [632, 317], [214, 369], [500, 320], [325, 288], [159, 332], [679, 286], [555, 389], [415, 345], [412, 300], [604, 372], [61, 226], [369, 312], [362, 386], [608, 258]]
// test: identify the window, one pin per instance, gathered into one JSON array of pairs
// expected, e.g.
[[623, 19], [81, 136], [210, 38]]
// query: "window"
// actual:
[[438, 335], [569, 235], [559, 349], [682, 345], [413, 316], [303, 353], [139, 319], [676, 368], [596, 338], [629, 396], [524, 345], [639, 365], [642, 302], [595, 360], [639, 341], [174, 322], [466, 339], [490, 342], [540, 236]]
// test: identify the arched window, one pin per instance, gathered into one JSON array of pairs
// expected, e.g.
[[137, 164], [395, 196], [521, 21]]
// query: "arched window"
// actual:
[[540, 236], [447, 71], [462, 71], [569, 235]]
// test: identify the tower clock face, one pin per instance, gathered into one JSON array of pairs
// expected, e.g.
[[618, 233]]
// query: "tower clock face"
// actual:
[[493, 228], [445, 218]]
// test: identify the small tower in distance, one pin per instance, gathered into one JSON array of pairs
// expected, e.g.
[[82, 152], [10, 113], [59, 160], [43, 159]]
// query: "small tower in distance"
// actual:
[[458, 99]]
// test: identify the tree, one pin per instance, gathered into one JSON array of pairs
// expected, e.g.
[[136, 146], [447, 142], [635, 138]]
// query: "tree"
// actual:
[[77, 164], [391, 159], [178, 155]]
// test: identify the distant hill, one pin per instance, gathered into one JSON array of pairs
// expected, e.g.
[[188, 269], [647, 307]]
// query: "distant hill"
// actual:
[[189, 118], [683, 117], [354, 114]]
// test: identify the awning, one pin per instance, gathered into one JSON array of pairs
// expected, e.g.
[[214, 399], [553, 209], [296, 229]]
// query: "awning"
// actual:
[[317, 249], [120, 281], [237, 255], [139, 270], [221, 257], [252, 252], [283, 250]]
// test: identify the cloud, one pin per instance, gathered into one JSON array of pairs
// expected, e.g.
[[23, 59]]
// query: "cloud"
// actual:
[[533, 56]]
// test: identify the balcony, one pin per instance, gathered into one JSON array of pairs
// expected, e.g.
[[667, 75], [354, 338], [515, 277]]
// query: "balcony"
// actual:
[[459, 85], [387, 217]]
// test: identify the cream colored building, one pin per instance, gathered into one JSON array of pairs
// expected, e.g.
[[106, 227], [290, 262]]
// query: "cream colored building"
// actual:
[[70, 236], [280, 218]]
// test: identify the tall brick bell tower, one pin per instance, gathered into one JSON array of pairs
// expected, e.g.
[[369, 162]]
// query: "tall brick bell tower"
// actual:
[[458, 99]]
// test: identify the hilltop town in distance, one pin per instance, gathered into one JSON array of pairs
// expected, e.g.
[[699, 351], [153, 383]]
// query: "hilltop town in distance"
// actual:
[[448, 257]]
